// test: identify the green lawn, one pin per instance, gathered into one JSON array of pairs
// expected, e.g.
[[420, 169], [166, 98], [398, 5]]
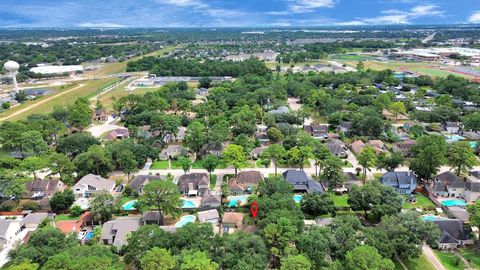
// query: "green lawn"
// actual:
[[213, 181], [471, 256], [65, 217], [160, 165], [340, 200], [422, 202], [420, 263], [449, 260]]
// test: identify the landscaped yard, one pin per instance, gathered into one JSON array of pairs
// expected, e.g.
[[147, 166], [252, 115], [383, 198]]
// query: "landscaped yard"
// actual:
[[420, 263], [65, 217], [213, 181], [422, 202], [340, 200], [160, 165], [472, 257], [449, 260]]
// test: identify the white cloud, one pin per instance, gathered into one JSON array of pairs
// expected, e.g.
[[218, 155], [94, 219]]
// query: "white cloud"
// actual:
[[101, 25], [475, 17], [395, 16], [303, 6]]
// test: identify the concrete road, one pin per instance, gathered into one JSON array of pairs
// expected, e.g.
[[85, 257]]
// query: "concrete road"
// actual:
[[428, 252]]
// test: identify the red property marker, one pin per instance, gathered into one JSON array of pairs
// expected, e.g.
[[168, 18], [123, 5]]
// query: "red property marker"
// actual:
[[254, 209]]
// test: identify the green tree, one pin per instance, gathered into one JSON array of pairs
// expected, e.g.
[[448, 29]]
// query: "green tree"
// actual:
[[210, 163], [62, 201], [315, 244], [315, 204], [196, 138], [367, 258], [80, 257], [158, 259], [333, 172], [472, 121], [76, 143], [185, 163], [367, 159], [280, 236], [296, 262], [360, 66], [33, 164], [474, 212], [164, 196], [142, 240], [390, 162], [32, 144], [80, 114], [96, 160], [61, 164], [276, 153], [25, 265], [275, 135], [461, 157], [126, 161], [235, 155], [197, 260], [243, 251], [103, 206], [320, 153]]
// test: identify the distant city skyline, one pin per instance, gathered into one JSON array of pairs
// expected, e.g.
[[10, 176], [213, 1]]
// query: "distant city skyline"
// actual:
[[245, 13]]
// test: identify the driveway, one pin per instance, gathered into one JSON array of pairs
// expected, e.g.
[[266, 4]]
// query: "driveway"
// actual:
[[99, 130], [428, 252]]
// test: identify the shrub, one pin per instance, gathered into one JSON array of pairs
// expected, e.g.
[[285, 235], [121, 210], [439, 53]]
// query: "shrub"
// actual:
[[29, 205], [76, 211]]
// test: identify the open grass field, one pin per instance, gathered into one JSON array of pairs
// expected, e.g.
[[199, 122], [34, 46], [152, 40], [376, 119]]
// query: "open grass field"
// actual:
[[66, 96], [350, 57], [415, 264], [108, 98]]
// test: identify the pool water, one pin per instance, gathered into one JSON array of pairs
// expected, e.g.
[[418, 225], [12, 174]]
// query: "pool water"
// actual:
[[456, 137], [235, 201], [473, 145], [89, 235], [188, 204], [130, 205], [454, 203], [432, 218], [297, 198], [185, 220]]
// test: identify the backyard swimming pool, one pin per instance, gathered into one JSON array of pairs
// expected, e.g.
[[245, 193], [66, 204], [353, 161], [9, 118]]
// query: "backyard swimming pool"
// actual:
[[432, 218], [236, 200], [473, 144], [185, 220], [130, 205], [297, 198], [455, 138], [188, 204], [89, 236], [454, 203]]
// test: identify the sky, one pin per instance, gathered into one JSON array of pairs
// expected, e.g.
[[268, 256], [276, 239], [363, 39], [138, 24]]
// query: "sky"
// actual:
[[230, 13]]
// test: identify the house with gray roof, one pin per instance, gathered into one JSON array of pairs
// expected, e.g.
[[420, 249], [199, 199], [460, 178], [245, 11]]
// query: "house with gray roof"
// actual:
[[194, 184], [337, 148], [210, 201], [172, 152], [91, 184], [33, 220], [301, 182], [140, 181], [115, 232], [317, 131], [210, 216], [446, 184], [280, 110], [402, 182], [452, 234]]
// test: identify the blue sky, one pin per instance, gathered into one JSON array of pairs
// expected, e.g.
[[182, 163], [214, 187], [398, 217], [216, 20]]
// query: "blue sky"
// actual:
[[223, 13]]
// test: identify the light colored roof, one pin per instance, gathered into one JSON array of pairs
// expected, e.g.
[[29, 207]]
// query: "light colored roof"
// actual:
[[96, 181], [33, 218], [234, 218], [207, 215], [119, 228], [4, 225]]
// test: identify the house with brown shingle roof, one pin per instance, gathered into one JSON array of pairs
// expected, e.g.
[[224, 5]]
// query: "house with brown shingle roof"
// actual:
[[232, 220], [119, 133], [194, 184], [357, 146], [38, 189]]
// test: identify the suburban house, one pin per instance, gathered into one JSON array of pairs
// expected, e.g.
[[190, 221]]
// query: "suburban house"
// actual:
[[244, 182], [257, 152], [140, 181], [451, 127], [100, 115], [357, 146], [337, 148], [317, 131], [38, 189], [402, 182], [119, 133], [210, 216], [345, 127], [301, 182], [214, 149], [210, 201], [280, 110], [9, 229], [262, 138], [448, 184], [151, 218], [172, 152], [377, 145], [194, 184], [33, 220], [404, 147], [232, 220], [91, 184], [115, 232], [452, 234], [69, 226]]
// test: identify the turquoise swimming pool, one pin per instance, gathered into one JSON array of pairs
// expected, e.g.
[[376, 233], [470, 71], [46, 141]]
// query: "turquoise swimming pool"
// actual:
[[473, 145], [185, 220], [432, 218], [130, 205], [235, 201], [188, 204], [455, 138], [454, 203], [297, 198]]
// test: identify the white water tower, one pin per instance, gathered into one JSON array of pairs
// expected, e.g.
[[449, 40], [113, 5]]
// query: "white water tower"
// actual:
[[12, 69]]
